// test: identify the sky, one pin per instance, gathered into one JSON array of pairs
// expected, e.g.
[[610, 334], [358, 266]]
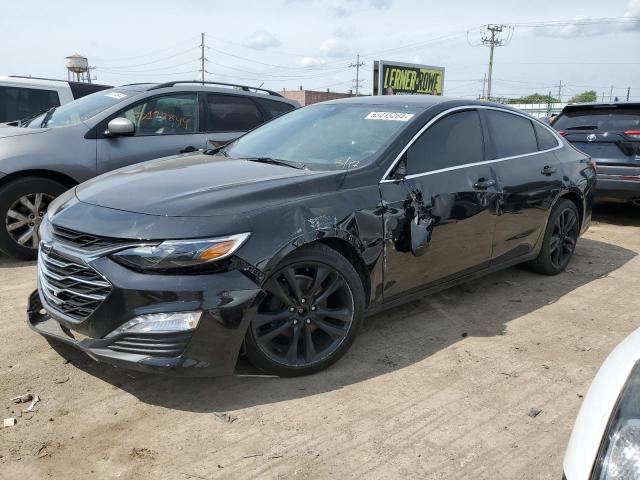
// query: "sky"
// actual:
[[311, 43]]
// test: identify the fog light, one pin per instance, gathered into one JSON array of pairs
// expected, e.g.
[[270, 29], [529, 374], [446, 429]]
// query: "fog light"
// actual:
[[159, 322]]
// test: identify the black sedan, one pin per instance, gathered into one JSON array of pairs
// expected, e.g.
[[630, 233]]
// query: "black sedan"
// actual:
[[279, 244]]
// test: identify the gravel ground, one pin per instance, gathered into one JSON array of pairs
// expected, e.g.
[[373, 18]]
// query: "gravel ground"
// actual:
[[439, 388]]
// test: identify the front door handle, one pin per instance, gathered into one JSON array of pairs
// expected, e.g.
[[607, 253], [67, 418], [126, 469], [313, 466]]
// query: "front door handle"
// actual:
[[483, 183], [188, 149], [547, 170]]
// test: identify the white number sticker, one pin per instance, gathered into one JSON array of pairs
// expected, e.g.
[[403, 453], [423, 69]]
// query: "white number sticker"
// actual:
[[394, 116], [116, 95]]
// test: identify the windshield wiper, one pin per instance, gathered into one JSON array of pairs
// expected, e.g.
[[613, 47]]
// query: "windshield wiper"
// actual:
[[583, 127], [275, 161], [47, 117], [28, 118]]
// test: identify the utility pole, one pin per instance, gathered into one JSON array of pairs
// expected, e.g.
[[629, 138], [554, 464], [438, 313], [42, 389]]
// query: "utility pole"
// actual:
[[628, 93], [492, 39], [602, 97], [611, 94], [484, 84], [560, 92], [357, 66], [202, 57]]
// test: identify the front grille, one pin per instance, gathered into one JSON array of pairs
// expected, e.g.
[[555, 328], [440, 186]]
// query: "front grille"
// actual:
[[156, 345], [85, 240], [70, 287]]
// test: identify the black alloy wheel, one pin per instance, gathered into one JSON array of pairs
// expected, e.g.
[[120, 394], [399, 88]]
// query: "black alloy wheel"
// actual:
[[559, 240], [309, 317], [563, 238], [23, 205]]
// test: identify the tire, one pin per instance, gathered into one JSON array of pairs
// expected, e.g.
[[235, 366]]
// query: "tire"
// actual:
[[550, 260], [303, 329], [18, 234]]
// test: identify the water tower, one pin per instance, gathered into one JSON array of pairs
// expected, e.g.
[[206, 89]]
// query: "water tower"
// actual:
[[78, 68]]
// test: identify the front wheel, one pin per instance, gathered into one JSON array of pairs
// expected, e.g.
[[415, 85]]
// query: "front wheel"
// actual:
[[559, 240], [310, 316], [23, 205]]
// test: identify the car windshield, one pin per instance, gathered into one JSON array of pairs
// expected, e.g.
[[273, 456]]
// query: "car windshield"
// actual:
[[79, 110], [601, 119], [326, 136]]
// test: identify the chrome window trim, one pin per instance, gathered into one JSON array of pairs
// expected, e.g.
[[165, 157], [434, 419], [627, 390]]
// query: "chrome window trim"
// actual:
[[385, 178]]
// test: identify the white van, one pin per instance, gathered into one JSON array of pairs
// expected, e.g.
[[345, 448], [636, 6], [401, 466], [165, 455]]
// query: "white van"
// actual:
[[24, 96]]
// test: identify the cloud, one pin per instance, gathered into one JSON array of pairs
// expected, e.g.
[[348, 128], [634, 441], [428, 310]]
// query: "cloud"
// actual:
[[341, 11], [312, 62], [344, 32], [332, 48], [583, 26], [380, 4], [261, 40]]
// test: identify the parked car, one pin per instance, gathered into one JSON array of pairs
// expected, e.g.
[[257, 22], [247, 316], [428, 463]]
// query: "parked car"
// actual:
[[605, 442], [610, 134], [21, 97], [283, 240], [110, 129]]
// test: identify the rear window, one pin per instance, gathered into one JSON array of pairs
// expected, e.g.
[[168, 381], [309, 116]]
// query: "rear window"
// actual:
[[274, 109], [546, 139], [17, 103], [606, 119], [231, 113], [512, 134]]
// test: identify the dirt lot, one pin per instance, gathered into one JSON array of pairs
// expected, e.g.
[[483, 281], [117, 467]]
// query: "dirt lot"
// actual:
[[439, 388]]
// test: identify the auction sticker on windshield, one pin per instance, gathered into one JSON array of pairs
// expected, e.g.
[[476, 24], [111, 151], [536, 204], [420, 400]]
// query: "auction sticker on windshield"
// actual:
[[116, 95], [395, 116]]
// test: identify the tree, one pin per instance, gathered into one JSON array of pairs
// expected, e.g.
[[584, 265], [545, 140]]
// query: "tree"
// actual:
[[588, 96], [534, 98]]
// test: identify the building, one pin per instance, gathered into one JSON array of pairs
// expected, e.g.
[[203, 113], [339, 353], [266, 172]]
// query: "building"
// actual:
[[307, 97]]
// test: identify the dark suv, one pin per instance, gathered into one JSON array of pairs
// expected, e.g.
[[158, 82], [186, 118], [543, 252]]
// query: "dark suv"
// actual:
[[113, 128], [610, 134]]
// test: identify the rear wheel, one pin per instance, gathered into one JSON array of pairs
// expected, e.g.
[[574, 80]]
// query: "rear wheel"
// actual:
[[23, 205], [559, 240], [310, 316]]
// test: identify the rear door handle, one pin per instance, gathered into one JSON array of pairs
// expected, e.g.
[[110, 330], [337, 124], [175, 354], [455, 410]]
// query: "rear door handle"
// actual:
[[483, 183], [188, 149], [547, 170]]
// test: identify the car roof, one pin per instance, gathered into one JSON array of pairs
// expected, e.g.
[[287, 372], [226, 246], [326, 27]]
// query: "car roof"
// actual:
[[420, 101], [197, 86], [586, 106], [19, 79]]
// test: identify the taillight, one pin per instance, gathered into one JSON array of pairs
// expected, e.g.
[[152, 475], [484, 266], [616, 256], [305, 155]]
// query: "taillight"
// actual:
[[562, 132], [633, 134]]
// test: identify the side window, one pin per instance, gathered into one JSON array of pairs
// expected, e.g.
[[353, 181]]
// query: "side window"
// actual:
[[452, 141], [274, 109], [17, 102], [231, 113], [546, 140], [166, 115], [512, 134]]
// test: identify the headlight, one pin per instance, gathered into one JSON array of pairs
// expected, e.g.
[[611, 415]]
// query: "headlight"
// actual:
[[176, 254], [619, 456]]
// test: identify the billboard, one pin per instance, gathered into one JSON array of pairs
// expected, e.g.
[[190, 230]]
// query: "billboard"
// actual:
[[395, 78]]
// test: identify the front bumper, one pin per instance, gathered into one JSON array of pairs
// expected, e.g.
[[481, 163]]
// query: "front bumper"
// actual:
[[228, 301]]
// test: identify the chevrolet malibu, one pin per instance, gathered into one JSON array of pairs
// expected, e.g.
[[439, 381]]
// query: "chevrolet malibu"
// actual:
[[277, 245]]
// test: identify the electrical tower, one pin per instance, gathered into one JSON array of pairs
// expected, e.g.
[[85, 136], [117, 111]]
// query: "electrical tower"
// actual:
[[493, 38], [357, 66], [202, 58]]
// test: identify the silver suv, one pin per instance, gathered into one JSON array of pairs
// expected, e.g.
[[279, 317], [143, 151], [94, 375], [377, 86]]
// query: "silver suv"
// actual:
[[51, 152]]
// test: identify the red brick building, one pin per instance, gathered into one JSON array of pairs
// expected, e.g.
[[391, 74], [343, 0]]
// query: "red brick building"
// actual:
[[307, 97]]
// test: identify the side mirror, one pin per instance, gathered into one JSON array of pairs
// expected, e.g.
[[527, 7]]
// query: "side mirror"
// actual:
[[120, 127]]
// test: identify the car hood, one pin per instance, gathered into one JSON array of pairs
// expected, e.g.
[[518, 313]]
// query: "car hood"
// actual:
[[198, 185], [10, 131]]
